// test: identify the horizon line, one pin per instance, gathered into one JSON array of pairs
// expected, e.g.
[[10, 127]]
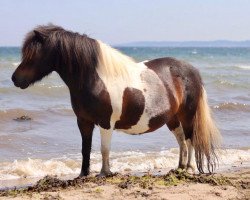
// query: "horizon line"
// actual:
[[161, 41]]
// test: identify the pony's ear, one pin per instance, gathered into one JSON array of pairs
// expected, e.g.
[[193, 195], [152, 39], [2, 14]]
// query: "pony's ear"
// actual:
[[40, 36]]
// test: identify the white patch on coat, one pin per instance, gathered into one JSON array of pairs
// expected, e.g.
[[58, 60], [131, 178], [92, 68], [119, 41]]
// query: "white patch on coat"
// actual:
[[190, 162], [133, 75], [106, 136]]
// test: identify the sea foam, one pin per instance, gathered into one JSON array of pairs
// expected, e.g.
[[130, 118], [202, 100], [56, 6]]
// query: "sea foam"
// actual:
[[122, 162], [246, 67]]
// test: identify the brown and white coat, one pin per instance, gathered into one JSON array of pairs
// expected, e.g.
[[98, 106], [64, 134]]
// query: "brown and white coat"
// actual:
[[113, 92]]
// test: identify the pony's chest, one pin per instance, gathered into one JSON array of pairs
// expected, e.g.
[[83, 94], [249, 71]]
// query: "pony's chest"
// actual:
[[94, 105]]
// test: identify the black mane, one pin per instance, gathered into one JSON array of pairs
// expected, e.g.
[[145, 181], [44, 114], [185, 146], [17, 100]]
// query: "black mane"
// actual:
[[73, 54]]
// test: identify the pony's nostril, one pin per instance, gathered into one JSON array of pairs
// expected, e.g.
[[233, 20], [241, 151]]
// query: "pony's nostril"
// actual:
[[20, 81], [13, 78]]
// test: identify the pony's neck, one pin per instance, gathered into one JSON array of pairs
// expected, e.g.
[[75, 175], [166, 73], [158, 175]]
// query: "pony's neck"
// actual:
[[76, 58], [80, 61], [112, 63]]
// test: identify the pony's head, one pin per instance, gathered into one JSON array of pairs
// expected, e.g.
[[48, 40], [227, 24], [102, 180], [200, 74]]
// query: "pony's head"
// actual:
[[37, 57]]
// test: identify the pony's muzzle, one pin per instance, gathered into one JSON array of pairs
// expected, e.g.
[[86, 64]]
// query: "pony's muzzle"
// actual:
[[19, 81]]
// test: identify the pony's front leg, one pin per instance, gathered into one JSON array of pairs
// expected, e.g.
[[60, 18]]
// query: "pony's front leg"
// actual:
[[86, 129], [105, 149]]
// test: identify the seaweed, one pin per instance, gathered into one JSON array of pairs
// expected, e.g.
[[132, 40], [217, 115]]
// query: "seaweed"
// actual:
[[147, 181]]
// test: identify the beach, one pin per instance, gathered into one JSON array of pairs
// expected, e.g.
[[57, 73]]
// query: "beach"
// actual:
[[179, 185], [39, 134]]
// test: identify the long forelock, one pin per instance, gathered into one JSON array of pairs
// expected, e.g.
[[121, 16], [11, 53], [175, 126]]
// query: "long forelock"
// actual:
[[30, 46], [31, 42]]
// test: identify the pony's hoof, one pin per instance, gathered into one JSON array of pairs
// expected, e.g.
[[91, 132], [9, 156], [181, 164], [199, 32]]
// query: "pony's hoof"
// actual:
[[105, 174], [182, 167], [190, 169], [83, 174], [80, 177]]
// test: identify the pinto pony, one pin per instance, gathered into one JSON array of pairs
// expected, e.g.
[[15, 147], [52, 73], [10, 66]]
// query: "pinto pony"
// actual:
[[113, 92]]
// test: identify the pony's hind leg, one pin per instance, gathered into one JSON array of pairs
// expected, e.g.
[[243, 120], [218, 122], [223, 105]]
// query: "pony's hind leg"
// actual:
[[186, 119], [180, 136], [190, 164], [105, 149]]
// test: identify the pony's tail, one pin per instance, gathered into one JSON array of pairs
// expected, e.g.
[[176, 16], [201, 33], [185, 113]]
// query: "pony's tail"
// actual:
[[206, 136]]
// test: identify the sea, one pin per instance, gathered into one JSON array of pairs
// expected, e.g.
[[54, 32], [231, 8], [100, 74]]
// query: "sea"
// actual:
[[50, 143]]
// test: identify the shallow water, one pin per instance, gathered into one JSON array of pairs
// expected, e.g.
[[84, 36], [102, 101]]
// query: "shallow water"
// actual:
[[51, 143]]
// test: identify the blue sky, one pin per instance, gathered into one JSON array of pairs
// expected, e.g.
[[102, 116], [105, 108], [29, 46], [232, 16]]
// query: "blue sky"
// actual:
[[121, 21]]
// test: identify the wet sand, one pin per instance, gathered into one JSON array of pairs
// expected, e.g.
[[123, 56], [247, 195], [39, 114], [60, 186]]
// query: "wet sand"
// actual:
[[175, 185]]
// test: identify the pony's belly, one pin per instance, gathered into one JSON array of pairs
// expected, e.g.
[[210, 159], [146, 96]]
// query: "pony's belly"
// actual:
[[145, 124], [141, 130], [136, 129], [141, 126]]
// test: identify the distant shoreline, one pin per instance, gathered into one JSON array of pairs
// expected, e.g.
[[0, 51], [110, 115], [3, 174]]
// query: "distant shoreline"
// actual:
[[215, 43], [176, 44]]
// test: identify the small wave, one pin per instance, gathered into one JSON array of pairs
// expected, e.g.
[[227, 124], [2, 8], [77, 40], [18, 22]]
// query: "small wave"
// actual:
[[233, 106], [56, 86], [37, 168], [15, 64], [49, 90], [194, 52], [229, 67], [225, 82], [120, 162], [44, 87], [245, 67], [44, 90], [230, 84]]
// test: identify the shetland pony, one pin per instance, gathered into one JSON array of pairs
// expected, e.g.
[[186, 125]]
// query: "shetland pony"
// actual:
[[112, 91]]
